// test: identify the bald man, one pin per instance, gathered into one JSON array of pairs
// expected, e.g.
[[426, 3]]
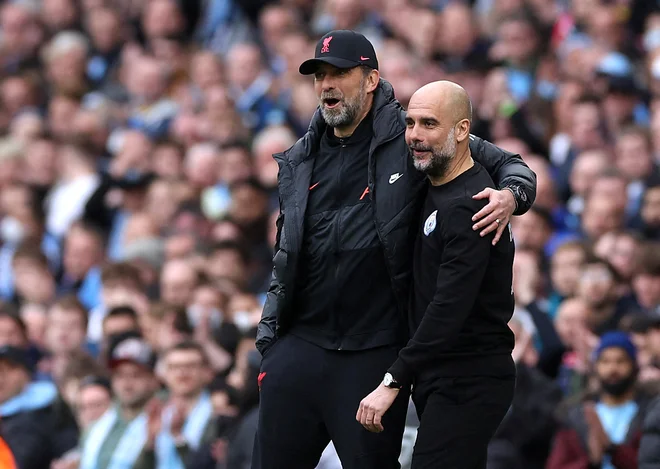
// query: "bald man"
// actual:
[[459, 358]]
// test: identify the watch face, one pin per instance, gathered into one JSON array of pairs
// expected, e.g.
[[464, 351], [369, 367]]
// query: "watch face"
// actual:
[[388, 379]]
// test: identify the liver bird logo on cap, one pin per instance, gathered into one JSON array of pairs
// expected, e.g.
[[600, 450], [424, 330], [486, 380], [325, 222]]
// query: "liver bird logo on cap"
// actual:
[[326, 45]]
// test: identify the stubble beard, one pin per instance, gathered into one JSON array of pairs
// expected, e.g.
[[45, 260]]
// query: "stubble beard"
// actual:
[[438, 165], [348, 111]]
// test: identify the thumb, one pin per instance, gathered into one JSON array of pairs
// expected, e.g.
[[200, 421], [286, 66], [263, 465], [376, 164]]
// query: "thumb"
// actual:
[[484, 194]]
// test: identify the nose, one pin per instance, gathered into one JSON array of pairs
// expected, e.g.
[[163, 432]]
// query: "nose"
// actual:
[[327, 83], [412, 134]]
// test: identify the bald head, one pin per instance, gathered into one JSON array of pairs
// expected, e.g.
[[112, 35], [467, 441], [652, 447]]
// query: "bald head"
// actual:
[[449, 99], [438, 128]]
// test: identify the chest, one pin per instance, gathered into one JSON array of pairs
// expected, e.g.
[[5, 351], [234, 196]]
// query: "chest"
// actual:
[[340, 178]]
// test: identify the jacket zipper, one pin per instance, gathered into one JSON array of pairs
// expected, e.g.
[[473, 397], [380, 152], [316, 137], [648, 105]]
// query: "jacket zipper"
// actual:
[[337, 224]]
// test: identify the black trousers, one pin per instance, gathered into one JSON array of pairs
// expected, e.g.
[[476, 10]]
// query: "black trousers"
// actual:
[[458, 418], [310, 395]]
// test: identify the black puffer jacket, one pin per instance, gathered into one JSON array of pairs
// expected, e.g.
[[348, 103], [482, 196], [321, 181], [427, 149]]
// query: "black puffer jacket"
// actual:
[[649, 447], [396, 207]]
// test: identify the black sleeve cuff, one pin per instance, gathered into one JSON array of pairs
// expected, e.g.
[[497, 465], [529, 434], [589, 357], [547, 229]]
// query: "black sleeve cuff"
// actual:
[[401, 373]]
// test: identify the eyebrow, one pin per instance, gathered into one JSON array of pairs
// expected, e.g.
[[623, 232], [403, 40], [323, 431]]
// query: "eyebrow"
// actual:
[[423, 119]]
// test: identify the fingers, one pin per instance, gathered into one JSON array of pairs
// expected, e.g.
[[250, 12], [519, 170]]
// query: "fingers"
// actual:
[[489, 229], [500, 229], [369, 421], [484, 194], [377, 422], [485, 216], [369, 418]]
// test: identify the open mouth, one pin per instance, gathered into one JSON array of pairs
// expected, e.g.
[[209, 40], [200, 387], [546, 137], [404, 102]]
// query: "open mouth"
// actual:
[[331, 102], [419, 153]]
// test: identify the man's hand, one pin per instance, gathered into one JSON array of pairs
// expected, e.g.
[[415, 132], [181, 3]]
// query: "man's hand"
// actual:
[[373, 407], [595, 425], [154, 411], [178, 420], [598, 441], [500, 208]]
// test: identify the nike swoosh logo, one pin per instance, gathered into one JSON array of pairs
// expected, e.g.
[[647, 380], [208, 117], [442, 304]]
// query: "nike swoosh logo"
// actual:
[[313, 186], [395, 177], [364, 58]]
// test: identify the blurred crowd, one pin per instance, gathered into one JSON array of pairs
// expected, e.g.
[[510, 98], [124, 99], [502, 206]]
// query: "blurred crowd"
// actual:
[[138, 198]]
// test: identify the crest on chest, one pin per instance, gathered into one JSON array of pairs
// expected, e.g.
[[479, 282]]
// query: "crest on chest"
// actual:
[[430, 223]]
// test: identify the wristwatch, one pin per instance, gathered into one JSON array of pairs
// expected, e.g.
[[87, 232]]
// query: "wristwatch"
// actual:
[[390, 382], [518, 194]]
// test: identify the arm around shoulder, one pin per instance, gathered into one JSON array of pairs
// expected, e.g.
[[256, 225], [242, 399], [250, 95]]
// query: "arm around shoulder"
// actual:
[[508, 170]]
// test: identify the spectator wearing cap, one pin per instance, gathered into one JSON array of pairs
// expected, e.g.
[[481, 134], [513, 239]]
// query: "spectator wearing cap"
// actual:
[[621, 94], [128, 179], [604, 430], [117, 439], [27, 413]]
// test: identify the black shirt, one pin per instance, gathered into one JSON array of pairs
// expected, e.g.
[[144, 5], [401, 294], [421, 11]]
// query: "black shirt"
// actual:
[[343, 298], [462, 295]]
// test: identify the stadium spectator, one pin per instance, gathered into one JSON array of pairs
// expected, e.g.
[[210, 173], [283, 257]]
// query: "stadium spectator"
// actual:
[[606, 428]]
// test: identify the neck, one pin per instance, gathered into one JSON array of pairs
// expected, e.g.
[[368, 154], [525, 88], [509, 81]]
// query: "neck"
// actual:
[[347, 131], [189, 401], [75, 171], [130, 412], [610, 400], [462, 162]]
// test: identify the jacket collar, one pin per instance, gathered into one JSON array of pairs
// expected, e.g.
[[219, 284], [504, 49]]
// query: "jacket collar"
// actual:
[[388, 122]]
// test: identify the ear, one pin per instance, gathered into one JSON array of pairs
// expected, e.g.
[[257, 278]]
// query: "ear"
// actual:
[[372, 81], [462, 130]]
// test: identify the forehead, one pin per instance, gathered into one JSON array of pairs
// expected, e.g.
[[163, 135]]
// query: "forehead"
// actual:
[[421, 107], [181, 355], [614, 353]]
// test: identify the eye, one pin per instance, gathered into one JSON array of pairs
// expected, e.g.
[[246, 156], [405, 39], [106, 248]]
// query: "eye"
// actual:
[[429, 124], [319, 75]]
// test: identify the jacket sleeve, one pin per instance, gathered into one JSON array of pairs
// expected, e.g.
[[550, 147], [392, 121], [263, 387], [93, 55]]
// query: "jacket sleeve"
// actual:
[[507, 170], [30, 445], [649, 448], [266, 330], [625, 456], [564, 454]]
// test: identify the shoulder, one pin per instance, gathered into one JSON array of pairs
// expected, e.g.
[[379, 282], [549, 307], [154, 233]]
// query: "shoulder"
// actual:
[[481, 149], [652, 418], [455, 215]]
